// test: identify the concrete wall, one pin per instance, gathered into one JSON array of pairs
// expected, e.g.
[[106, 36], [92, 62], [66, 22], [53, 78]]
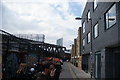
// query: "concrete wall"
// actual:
[[87, 28], [103, 63], [106, 38]]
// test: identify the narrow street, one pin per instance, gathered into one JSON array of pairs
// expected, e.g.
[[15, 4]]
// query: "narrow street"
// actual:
[[66, 71], [71, 72]]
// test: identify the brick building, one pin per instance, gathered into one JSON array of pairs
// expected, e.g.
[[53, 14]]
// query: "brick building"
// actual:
[[76, 50]]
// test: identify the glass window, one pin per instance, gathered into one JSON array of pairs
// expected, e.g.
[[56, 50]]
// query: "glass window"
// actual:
[[96, 30], [95, 3], [83, 27], [88, 15], [88, 37], [83, 44], [111, 16]]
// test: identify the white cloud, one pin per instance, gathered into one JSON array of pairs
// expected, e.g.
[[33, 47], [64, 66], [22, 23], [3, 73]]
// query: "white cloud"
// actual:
[[51, 18], [47, 1]]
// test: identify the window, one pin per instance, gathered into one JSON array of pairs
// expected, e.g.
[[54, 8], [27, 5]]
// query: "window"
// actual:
[[95, 30], [83, 26], [88, 15], [83, 44], [95, 3], [88, 37], [110, 16]]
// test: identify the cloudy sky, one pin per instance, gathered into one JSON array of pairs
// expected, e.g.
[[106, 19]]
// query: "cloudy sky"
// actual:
[[54, 18]]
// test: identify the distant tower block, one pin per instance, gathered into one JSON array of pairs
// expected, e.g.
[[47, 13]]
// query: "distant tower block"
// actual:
[[60, 42]]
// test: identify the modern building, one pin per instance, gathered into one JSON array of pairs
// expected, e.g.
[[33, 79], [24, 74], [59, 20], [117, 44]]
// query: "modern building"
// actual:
[[60, 42], [100, 39]]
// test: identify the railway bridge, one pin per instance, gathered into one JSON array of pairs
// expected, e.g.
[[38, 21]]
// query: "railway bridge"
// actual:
[[16, 50]]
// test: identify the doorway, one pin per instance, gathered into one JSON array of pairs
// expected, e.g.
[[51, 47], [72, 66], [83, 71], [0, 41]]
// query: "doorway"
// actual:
[[116, 63], [98, 65]]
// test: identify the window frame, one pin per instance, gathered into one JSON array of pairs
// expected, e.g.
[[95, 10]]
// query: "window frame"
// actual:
[[83, 26], [88, 15], [88, 37], [83, 44], [107, 23], [95, 2], [97, 30]]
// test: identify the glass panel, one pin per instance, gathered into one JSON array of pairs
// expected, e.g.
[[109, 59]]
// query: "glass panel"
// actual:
[[83, 42], [95, 3], [112, 16], [96, 31], [83, 27], [107, 23], [88, 37], [88, 16]]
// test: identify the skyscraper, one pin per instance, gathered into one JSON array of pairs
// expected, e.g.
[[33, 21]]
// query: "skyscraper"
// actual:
[[60, 42]]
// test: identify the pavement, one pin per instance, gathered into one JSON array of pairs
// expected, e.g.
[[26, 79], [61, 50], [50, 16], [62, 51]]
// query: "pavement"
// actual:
[[70, 72], [66, 71]]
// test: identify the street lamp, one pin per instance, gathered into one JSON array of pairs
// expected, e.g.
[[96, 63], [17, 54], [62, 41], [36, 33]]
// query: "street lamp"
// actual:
[[78, 18]]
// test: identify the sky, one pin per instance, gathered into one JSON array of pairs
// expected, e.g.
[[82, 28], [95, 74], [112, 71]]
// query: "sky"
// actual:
[[53, 18]]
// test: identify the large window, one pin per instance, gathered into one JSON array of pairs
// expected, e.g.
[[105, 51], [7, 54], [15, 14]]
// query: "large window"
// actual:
[[95, 3], [83, 25], [96, 32], [88, 15], [110, 16], [88, 37]]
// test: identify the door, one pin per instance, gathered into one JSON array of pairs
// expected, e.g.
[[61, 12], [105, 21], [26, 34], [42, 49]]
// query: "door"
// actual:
[[116, 64], [98, 65]]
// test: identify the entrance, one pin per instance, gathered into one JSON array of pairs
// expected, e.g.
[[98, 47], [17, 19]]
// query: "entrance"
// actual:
[[98, 65], [116, 63], [113, 62], [85, 63]]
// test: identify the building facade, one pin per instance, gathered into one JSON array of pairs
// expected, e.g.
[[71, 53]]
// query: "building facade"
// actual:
[[100, 39], [79, 48], [60, 42], [72, 54], [76, 50]]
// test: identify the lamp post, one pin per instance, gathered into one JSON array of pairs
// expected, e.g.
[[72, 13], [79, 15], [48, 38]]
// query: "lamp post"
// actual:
[[79, 18]]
